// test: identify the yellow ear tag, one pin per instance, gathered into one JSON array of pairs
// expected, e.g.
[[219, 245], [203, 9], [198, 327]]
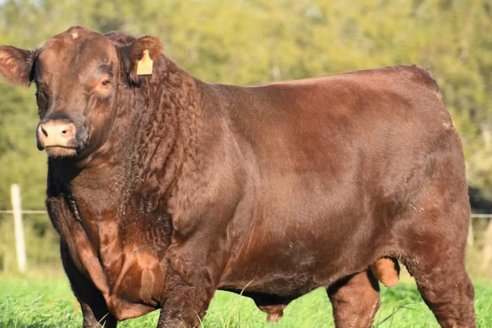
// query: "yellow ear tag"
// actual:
[[144, 65]]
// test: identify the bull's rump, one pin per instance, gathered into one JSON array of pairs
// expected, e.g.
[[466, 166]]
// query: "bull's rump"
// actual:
[[333, 163]]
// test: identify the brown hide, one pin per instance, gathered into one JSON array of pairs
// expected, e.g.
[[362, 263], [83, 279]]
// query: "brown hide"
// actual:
[[172, 188]]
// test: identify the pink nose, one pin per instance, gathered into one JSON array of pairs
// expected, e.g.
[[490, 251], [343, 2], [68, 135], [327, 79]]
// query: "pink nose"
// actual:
[[56, 133]]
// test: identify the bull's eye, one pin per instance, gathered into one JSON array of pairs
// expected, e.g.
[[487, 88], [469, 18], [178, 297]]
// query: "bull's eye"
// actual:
[[106, 83]]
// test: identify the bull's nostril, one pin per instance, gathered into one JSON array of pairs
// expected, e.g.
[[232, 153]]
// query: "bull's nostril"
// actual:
[[44, 131]]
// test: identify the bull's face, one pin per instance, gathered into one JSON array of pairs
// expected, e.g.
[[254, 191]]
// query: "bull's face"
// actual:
[[77, 76]]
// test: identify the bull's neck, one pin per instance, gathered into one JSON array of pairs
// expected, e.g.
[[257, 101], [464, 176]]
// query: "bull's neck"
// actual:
[[163, 136], [153, 136]]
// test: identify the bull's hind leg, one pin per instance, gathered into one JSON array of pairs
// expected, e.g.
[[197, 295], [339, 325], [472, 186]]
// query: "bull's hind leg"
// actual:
[[355, 300], [435, 255], [444, 285]]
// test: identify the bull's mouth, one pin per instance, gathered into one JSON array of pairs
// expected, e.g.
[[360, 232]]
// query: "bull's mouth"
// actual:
[[61, 151]]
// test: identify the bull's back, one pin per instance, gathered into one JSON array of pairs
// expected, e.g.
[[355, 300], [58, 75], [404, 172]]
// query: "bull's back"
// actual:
[[331, 162], [308, 124]]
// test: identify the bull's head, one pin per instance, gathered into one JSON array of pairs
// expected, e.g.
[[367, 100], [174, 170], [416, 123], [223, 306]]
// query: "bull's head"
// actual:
[[77, 75]]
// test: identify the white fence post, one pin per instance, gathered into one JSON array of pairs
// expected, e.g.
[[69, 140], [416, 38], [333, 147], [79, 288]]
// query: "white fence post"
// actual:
[[471, 237], [20, 245], [487, 249]]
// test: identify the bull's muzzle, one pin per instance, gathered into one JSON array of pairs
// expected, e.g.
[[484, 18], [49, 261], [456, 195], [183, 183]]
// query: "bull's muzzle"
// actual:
[[57, 137]]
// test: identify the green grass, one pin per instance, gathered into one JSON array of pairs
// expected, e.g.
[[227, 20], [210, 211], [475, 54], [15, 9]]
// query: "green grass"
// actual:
[[48, 302]]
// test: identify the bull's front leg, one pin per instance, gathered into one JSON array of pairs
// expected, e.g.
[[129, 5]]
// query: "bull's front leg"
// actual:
[[191, 280], [94, 310], [185, 306]]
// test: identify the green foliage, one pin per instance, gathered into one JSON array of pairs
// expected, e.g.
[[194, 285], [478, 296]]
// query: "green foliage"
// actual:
[[40, 303], [19, 159]]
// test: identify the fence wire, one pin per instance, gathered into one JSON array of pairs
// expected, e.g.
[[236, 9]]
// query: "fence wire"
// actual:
[[473, 215]]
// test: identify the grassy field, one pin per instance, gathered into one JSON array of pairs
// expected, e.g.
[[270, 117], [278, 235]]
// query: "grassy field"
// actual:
[[48, 302]]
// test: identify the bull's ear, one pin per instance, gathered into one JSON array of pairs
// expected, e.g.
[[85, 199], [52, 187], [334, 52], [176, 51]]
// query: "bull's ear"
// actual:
[[142, 53], [16, 64]]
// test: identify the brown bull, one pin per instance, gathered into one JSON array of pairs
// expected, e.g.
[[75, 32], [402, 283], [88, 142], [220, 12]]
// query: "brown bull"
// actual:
[[164, 188]]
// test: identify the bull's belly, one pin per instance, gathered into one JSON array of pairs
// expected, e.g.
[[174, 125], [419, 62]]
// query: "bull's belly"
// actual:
[[289, 277], [299, 242], [291, 267], [282, 284]]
